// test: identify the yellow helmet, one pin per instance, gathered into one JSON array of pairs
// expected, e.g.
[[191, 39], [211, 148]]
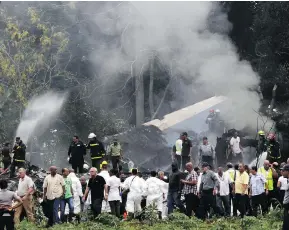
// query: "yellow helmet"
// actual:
[[261, 133], [104, 163]]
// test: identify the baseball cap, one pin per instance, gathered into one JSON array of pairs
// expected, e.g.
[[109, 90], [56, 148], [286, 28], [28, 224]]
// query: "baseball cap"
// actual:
[[285, 167]]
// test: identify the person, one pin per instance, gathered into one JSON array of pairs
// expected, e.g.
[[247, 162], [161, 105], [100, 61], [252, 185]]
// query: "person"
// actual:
[[231, 173], [207, 153], [6, 158], [223, 195], [76, 153], [83, 188], [209, 185], [113, 187], [210, 120], [115, 153], [186, 154], [285, 172], [269, 173], [241, 189], [282, 185], [19, 151], [175, 190], [177, 152], [155, 192], [236, 148], [163, 177], [53, 192], [96, 186], [190, 190], [273, 149], [262, 143], [136, 190], [105, 174], [6, 209], [77, 194], [257, 192], [25, 192], [97, 151], [68, 197]]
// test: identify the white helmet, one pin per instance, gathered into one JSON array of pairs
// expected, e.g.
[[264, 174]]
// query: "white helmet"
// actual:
[[217, 111], [91, 135]]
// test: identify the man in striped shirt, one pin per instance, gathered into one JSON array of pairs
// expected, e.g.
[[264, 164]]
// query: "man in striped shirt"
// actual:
[[190, 190], [257, 191]]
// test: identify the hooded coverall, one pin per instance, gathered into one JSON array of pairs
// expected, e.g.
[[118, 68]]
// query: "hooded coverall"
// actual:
[[154, 192], [136, 187]]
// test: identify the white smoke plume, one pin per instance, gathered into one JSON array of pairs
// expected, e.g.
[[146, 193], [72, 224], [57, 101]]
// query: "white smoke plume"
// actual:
[[39, 114], [191, 38]]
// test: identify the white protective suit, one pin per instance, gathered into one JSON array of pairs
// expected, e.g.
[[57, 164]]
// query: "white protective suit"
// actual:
[[155, 192], [77, 194], [105, 205], [136, 186], [165, 207]]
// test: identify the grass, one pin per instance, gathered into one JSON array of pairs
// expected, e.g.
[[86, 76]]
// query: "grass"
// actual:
[[176, 221]]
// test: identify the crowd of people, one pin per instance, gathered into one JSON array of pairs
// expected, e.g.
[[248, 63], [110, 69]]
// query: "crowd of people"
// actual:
[[202, 192]]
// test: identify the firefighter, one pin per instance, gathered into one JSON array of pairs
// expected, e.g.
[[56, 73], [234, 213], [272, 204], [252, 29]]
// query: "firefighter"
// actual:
[[262, 143], [211, 116], [97, 151], [273, 149], [76, 154], [19, 151], [6, 158]]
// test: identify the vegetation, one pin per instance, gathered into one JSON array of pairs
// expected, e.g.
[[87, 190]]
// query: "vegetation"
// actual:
[[176, 221]]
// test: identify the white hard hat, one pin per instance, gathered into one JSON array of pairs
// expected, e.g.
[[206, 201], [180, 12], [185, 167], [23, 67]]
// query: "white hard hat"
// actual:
[[91, 135], [217, 110]]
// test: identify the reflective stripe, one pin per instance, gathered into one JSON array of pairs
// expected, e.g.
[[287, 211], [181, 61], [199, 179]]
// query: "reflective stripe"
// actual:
[[20, 160], [93, 144], [96, 158]]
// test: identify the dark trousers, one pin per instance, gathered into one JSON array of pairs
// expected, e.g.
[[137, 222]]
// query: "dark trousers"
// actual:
[[178, 160], [269, 200], [76, 166], [174, 198], [96, 207], [224, 205], [50, 212], [6, 162], [257, 201], [123, 203], [192, 202], [185, 160], [233, 201], [115, 207], [15, 164], [286, 217], [6, 221], [281, 196], [96, 163], [207, 201], [115, 162], [241, 204]]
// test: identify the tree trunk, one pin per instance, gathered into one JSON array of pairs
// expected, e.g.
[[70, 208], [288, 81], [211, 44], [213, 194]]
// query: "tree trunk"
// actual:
[[139, 99], [151, 87]]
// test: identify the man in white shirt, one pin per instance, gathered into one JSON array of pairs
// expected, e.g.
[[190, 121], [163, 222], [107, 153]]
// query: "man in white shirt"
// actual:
[[155, 192], [136, 188], [223, 195], [114, 198], [105, 174], [236, 148], [25, 191]]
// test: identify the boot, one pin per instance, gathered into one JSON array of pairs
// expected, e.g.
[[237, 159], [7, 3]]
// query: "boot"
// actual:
[[160, 215]]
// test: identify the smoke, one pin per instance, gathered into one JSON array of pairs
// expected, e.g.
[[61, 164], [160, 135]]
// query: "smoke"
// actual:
[[190, 38], [40, 112]]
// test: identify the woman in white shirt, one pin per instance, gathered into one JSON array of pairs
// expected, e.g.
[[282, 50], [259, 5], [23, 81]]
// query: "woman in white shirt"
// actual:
[[114, 184], [282, 185]]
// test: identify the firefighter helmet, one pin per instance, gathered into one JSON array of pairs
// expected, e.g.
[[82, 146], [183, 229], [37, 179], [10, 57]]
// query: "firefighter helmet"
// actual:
[[212, 111], [271, 136], [91, 135], [261, 133]]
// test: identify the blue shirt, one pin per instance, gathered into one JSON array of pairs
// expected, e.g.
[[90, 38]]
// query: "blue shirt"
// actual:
[[257, 183]]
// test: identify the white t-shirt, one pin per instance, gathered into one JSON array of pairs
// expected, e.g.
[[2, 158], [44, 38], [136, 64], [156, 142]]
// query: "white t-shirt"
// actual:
[[114, 183], [225, 181], [283, 182], [235, 143], [54, 185], [23, 185]]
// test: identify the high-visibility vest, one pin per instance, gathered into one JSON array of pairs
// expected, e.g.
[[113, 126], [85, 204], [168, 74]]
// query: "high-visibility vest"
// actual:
[[231, 173], [179, 146], [269, 177]]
